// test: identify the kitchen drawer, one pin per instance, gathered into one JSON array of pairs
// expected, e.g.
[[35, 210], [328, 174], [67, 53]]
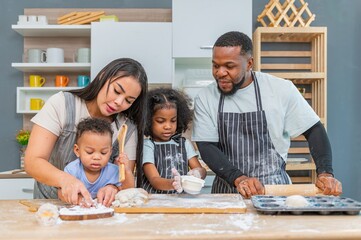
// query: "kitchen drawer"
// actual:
[[16, 188]]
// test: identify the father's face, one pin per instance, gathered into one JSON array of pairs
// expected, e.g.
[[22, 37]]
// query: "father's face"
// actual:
[[229, 68]]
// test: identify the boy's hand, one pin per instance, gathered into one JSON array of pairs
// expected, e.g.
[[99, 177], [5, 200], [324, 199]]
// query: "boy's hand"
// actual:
[[106, 195]]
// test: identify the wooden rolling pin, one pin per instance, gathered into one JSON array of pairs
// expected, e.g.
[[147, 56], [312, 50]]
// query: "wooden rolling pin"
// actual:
[[292, 189], [121, 141]]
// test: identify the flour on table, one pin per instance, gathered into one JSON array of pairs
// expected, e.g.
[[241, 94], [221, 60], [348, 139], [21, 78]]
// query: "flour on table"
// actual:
[[130, 197], [47, 214], [78, 210], [296, 201]]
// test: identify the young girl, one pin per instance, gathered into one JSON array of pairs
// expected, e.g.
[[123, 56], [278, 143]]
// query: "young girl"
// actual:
[[93, 148], [166, 154]]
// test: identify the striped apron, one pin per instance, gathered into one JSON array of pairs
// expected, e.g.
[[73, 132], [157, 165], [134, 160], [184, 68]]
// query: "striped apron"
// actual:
[[63, 152], [166, 157], [245, 140]]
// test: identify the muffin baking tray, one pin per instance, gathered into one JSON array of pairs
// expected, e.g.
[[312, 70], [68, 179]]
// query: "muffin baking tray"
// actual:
[[324, 205]]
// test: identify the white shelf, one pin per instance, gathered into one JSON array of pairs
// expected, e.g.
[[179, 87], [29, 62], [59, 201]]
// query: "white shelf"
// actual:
[[53, 30], [23, 95], [52, 67]]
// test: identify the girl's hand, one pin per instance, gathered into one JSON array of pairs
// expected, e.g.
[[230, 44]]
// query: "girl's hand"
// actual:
[[177, 185], [73, 191], [106, 195], [195, 172]]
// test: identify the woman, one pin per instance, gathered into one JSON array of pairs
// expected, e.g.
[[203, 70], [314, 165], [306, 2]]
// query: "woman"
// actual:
[[117, 94]]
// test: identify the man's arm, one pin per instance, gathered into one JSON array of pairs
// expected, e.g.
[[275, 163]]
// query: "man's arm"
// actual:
[[320, 148], [218, 162]]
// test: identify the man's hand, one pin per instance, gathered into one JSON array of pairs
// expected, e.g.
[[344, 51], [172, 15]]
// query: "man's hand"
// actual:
[[328, 184], [248, 187]]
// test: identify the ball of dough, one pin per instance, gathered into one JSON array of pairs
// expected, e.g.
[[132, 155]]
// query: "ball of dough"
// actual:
[[130, 197], [47, 214], [295, 201]]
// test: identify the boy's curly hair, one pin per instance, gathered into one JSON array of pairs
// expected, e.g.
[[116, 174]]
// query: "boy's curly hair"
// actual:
[[94, 125], [169, 98]]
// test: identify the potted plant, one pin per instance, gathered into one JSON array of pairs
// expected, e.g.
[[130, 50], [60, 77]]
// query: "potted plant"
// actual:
[[22, 137]]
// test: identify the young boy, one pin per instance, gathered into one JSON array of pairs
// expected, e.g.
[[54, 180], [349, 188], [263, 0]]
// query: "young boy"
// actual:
[[93, 147]]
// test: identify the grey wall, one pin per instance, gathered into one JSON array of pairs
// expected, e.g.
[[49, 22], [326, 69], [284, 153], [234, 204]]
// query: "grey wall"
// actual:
[[344, 85]]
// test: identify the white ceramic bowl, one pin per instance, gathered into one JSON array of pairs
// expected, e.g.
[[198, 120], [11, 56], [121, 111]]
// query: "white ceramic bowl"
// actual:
[[192, 185]]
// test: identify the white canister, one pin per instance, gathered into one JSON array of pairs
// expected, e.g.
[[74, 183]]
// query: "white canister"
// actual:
[[32, 19], [54, 55], [42, 20], [83, 55], [22, 19], [35, 55]]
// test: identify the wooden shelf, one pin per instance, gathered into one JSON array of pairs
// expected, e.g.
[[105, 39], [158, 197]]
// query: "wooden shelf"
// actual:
[[53, 30], [289, 34], [24, 94], [280, 51], [52, 67]]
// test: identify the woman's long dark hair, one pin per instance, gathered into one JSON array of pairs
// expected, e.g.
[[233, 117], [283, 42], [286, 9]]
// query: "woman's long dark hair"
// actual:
[[123, 67]]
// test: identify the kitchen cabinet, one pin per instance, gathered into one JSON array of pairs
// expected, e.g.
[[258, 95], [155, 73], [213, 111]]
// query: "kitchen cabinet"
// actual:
[[196, 26], [198, 23], [150, 43], [16, 188], [69, 38], [298, 54]]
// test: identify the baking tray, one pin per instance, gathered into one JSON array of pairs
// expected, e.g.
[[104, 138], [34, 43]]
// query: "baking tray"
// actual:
[[324, 205]]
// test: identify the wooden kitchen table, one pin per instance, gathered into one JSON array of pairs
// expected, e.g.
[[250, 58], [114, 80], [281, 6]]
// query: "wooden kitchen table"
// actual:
[[16, 222]]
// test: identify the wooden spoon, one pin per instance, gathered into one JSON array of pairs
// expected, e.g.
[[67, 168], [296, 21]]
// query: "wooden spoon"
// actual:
[[121, 141]]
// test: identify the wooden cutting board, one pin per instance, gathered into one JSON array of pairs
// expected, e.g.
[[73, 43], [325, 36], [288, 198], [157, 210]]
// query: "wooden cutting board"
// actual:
[[188, 204], [69, 212]]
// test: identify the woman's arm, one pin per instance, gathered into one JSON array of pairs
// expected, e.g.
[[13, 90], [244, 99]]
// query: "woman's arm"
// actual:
[[37, 165]]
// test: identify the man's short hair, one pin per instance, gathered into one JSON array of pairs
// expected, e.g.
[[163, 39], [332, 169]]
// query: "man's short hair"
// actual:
[[235, 39]]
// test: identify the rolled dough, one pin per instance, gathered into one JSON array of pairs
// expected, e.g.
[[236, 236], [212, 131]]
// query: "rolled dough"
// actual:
[[295, 201]]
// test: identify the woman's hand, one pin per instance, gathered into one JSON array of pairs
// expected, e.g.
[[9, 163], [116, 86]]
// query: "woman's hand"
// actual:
[[106, 195], [73, 191], [328, 184]]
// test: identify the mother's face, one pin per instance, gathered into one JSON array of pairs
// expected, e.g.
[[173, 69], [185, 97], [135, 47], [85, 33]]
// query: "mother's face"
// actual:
[[119, 97]]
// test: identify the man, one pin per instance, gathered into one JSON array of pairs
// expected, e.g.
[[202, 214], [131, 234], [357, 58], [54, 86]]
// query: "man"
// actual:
[[244, 121]]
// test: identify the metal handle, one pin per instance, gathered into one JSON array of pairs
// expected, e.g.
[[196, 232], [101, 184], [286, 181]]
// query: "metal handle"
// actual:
[[206, 47], [27, 190]]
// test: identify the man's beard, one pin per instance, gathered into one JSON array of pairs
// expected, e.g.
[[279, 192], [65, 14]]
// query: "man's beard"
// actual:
[[234, 89]]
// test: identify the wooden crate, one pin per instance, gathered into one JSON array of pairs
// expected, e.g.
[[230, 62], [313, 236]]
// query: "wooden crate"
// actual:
[[299, 55]]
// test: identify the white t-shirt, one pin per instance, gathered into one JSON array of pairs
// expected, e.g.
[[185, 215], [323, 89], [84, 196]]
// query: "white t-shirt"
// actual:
[[288, 114], [148, 149], [52, 117]]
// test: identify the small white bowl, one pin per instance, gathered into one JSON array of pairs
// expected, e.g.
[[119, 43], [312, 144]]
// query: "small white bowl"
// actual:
[[191, 184]]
